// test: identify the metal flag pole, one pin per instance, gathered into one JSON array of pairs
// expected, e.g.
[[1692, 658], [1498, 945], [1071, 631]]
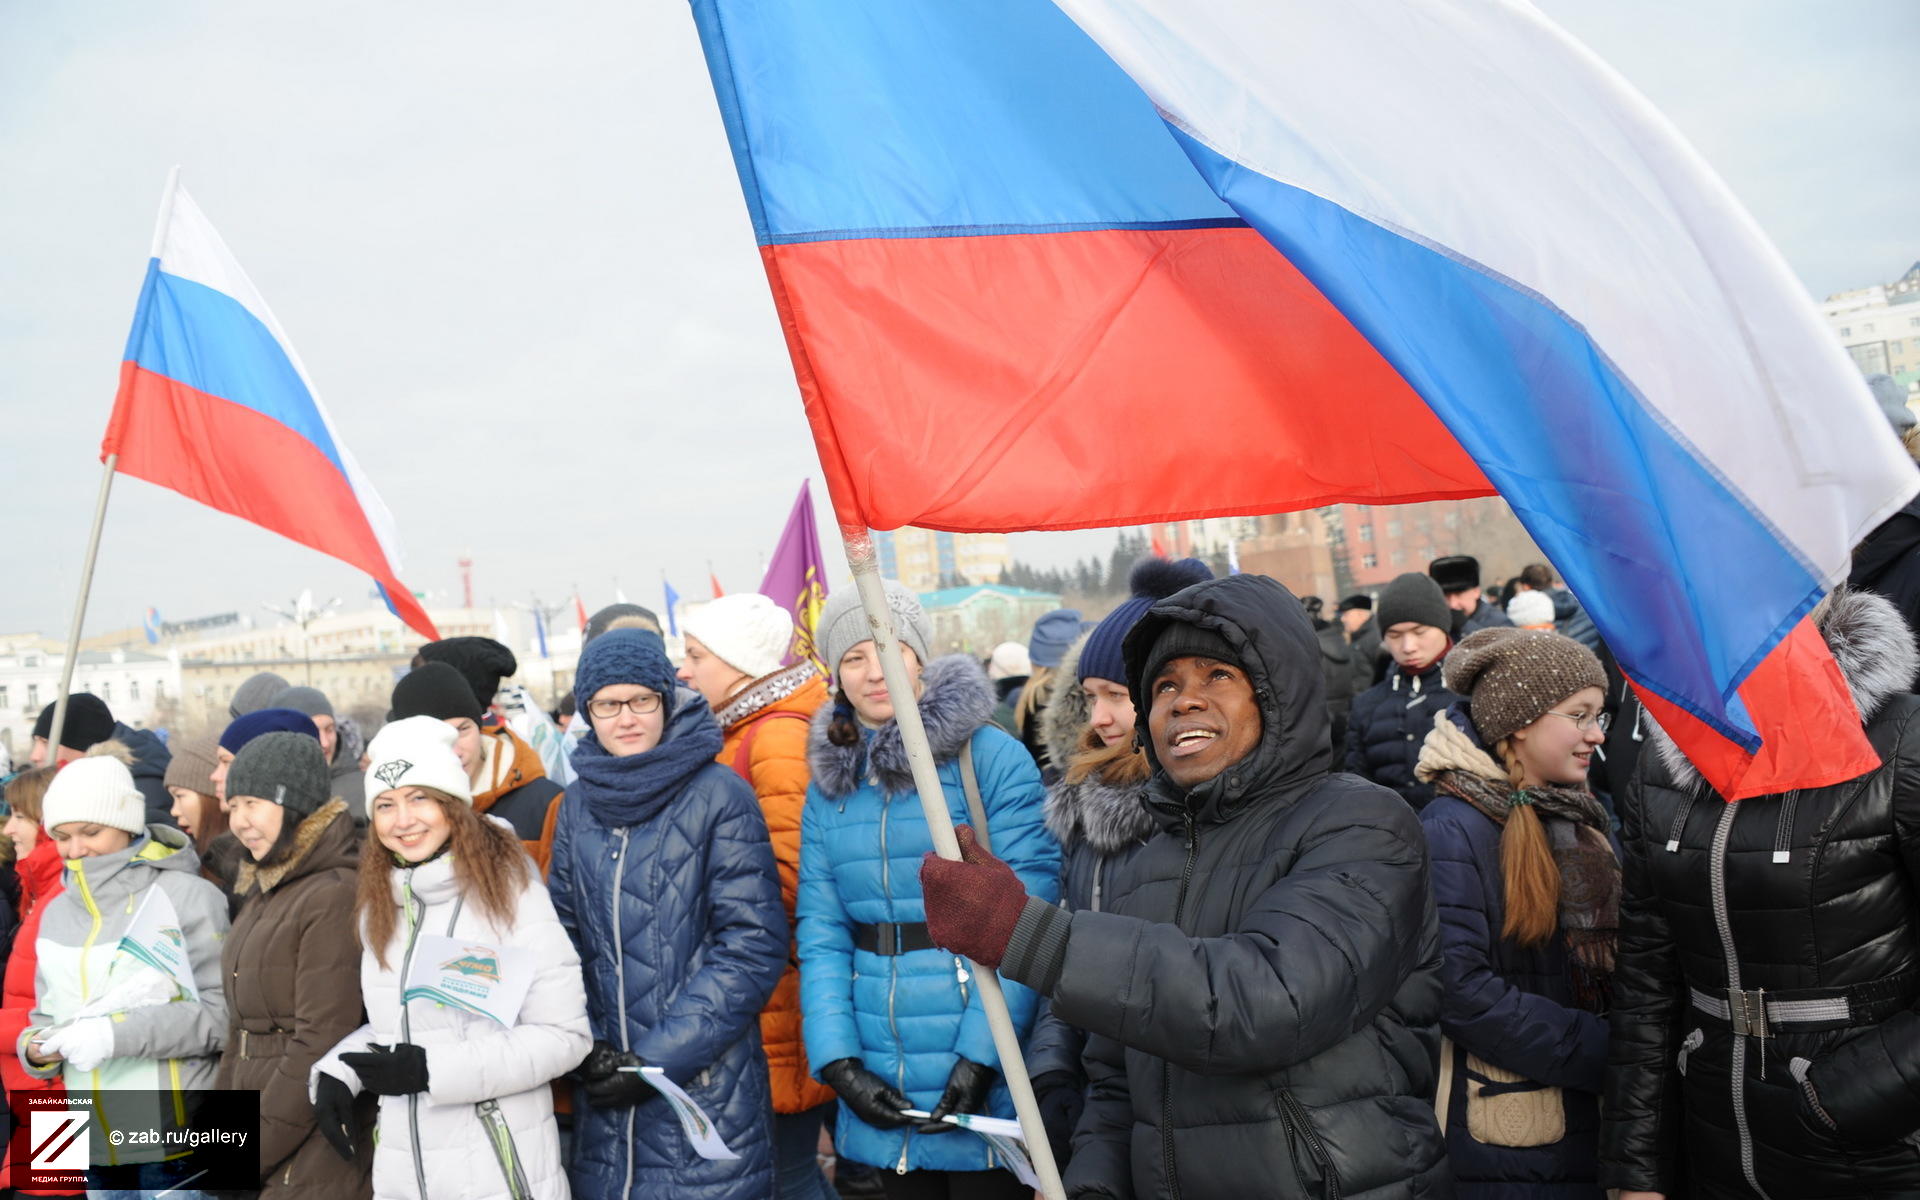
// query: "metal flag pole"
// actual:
[[933, 804], [99, 522], [79, 614]]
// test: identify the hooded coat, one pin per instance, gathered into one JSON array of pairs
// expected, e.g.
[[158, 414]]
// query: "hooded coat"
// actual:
[[40, 881], [1263, 995], [862, 839], [1388, 724], [682, 938], [1810, 896], [150, 757], [438, 1144], [1099, 825], [285, 958], [518, 791], [162, 1050], [766, 744]]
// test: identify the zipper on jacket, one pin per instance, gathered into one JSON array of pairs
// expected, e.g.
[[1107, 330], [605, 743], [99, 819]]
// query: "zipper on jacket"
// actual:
[[620, 982], [893, 977], [1296, 1113], [1783, 832], [93, 910], [406, 1025], [1717, 885], [1166, 1068], [960, 977], [500, 1136], [1099, 862], [1680, 822]]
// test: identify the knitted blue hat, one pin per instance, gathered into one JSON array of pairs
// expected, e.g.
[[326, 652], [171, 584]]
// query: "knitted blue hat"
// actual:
[[266, 720], [1053, 633], [1152, 579], [623, 656]]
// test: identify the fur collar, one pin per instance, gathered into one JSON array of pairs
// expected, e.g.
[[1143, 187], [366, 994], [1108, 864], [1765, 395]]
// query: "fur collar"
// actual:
[[766, 690], [305, 838], [1871, 643], [1109, 816], [1068, 709], [956, 700]]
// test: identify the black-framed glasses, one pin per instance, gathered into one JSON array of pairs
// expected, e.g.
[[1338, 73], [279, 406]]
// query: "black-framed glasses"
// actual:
[[641, 705], [1586, 721]]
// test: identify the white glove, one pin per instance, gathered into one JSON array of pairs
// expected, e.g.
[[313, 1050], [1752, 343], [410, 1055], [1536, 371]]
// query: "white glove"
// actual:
[[85, 1043]]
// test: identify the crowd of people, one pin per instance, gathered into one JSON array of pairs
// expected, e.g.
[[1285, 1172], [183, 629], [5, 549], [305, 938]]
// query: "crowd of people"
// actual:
[[1283, 905]]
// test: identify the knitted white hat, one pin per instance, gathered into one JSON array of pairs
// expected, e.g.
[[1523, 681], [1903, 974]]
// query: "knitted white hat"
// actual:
[[749, 632], [416, 752], [97, 789], [1010, 659], [1530, 610]]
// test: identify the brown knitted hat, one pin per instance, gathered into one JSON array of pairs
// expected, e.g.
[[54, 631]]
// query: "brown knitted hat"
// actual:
[[1511, 677], [193, 764]]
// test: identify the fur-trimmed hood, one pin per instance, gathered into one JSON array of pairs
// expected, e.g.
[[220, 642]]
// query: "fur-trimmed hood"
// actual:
[[1109, 816], [1870, 641], [955, 700], [301, 858], [1068, 709]]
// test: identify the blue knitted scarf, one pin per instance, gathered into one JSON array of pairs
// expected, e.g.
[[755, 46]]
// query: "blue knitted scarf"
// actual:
[[631, 789]]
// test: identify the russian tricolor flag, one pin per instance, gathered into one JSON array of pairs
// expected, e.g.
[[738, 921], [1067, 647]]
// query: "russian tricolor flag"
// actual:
[[1140, 260], [214, 404]]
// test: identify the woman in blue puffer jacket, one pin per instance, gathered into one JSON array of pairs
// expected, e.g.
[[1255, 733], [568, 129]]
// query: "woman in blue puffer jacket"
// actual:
[[663, 875], [891, 1022]]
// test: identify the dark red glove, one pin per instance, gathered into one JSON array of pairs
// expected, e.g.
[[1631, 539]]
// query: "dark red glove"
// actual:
[[972, 905]]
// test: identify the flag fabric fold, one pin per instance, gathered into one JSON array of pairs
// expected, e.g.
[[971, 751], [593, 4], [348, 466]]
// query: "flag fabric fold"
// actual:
[[672, 601], [214, 404], [796, 578], [1259, 255]]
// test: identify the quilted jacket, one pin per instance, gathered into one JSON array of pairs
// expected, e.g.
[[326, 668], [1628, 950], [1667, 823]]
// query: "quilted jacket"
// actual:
[[906, 1017]]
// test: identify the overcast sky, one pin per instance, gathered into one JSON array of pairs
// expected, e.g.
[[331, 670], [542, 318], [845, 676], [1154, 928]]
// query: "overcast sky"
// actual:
[[510, 246]]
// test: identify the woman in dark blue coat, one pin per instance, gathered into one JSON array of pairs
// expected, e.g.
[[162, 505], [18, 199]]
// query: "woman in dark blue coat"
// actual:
[[1528, 889], [663, 875]]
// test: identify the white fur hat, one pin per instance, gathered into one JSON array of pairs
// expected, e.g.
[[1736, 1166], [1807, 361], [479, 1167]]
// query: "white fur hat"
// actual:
[[749, 632], [1530, 610], [97, 789], [416, 752]]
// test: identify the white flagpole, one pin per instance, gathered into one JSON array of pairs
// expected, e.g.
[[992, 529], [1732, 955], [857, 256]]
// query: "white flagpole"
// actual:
[[99, 522], [933, 803]]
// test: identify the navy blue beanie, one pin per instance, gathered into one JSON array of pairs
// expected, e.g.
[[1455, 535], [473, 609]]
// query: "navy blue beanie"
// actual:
[[1052, 635], [623, 656], [266, 720], [1152, 579]]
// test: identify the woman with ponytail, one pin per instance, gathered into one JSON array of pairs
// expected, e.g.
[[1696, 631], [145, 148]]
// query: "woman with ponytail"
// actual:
[[1528, 888]]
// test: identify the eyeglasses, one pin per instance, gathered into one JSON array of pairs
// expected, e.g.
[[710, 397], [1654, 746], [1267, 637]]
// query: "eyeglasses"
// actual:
[[1586, 721], [640, 705]]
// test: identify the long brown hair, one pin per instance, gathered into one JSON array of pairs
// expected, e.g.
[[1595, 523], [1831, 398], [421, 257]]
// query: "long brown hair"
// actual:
[[489, 867], [212, 823], [1120, 764], [1529, 874], [26, 790]]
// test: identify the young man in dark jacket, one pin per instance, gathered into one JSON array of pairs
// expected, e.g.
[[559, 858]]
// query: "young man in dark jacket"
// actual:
[[1263, 994], [1387, 723]]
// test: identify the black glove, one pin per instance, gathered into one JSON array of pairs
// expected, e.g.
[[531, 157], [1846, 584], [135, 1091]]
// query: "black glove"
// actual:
[[967, 1087], [1062, 1098], [396, 1070], [872, 1099], [605, 1085], [333, 1113]]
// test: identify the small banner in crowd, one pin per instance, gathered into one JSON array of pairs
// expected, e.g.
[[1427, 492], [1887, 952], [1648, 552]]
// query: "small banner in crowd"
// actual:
[[797, 578]]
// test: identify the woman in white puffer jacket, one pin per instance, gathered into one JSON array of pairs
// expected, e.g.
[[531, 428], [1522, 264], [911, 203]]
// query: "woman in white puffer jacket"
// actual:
[[466, 1112]]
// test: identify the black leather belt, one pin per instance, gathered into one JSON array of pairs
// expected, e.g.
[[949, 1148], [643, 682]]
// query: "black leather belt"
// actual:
[[890, 940]]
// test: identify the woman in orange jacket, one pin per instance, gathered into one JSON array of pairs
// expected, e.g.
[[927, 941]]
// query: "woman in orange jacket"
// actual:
[[736, 646]]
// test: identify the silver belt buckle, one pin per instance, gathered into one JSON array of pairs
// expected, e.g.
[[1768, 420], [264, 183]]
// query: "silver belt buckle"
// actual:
[[1747, 1012]]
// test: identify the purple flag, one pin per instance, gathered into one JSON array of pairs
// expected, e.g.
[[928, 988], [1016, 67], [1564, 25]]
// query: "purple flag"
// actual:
[[797, 578]]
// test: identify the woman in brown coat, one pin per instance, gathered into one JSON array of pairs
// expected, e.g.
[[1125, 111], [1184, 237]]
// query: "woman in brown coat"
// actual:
[[291, 960]]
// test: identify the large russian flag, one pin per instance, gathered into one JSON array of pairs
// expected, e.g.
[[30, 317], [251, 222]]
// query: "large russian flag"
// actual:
[[1298, 252], [214, 404]]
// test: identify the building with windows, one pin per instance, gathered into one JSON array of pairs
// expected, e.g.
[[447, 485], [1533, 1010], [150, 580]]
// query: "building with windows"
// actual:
[[929, 559], [1371, 545], [973, 620], [142, 689], [1880, 327]]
